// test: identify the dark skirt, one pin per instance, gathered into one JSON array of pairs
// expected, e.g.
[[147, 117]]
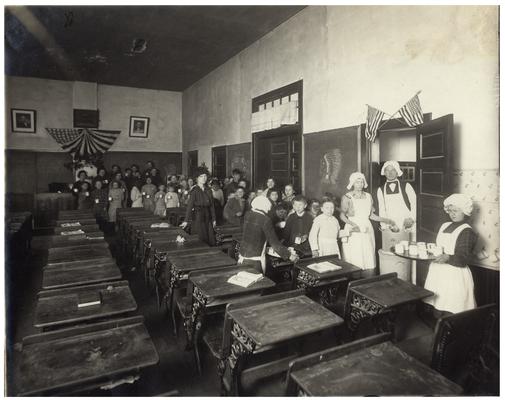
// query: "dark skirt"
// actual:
[[201, 225]]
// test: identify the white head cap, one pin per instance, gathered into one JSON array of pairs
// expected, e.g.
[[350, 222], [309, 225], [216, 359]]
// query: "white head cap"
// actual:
[[261, 203], [461, 201], [393, 164], [354, 177]]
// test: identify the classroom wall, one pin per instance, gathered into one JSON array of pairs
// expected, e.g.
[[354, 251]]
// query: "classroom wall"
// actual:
[[350, 56], [54, 102]]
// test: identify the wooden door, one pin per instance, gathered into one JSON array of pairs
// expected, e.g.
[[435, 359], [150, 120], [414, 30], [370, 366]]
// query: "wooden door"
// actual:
[[192, 163], [434, 171], [278, 156], [219, 162]]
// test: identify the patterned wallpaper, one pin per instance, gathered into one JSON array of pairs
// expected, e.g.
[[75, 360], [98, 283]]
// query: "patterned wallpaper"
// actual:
[[482, 185]]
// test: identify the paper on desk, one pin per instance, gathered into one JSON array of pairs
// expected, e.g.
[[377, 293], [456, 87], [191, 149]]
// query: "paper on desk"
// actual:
[[69, 233], [69, 224], [89, 303], [160, 225], [245, 279], [324, 266]]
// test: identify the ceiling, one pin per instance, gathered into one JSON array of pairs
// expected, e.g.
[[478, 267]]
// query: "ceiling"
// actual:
[[155, 47]]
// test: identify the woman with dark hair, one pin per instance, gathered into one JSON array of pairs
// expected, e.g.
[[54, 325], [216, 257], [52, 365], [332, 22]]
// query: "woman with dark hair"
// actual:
[[115, 169], [102, 177], [270, 185], [76, 187], [200, 211], [99, 198], [156, 177], [136, 195]]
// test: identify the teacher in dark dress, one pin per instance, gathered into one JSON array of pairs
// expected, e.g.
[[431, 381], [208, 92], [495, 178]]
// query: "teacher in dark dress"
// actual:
[[200, 213]]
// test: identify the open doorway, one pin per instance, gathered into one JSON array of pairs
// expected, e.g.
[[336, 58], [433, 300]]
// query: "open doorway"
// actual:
[[399, 145]]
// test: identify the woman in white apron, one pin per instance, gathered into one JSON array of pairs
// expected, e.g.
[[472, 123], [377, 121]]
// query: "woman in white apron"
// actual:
[[449, 276], [397, 202], [357, 211]]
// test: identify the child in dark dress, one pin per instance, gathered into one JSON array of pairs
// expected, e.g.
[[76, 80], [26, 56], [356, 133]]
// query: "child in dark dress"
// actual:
[[83, 197], [99, 199]]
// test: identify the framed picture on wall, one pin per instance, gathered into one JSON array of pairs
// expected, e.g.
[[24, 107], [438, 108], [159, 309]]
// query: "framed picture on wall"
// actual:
[[139, 127], [23, 120]]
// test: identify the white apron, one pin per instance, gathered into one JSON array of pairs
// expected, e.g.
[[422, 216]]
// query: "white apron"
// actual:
[[360, 247], [261, 258], [397, 210], [453, 286]]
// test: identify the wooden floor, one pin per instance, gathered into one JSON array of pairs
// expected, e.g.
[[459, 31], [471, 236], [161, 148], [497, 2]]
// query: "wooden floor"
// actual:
[[176, 370]]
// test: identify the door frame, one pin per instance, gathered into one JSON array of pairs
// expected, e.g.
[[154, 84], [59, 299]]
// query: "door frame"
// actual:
[[292, 88], [273, 133], [395, 124], [213, 150]]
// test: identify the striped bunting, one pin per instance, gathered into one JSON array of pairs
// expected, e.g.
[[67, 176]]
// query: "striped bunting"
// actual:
[[84, 141], [373, 119], [411, 112]]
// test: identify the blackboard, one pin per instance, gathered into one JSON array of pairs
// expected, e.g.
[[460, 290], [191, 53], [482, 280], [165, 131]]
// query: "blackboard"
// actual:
[[330, 157]]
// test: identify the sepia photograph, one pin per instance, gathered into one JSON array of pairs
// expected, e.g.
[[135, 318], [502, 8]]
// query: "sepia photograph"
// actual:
[[23, 120], [139, 127], [252, 200]]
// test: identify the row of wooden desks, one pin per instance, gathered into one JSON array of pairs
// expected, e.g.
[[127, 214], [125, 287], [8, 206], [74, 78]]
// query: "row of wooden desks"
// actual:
[[84, 349], [255, 320]]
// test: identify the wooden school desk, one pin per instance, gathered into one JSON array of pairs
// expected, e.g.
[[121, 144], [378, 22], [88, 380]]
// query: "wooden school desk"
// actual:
[[130, 225], [162, 247], [141, 235], [59, 307], [172, 273], [85, 228], [90, 252], [210, 293], [82, 221], [71, 247], [323, 285], [380, 296], [74, 240], [85, 357], [75, 214], [378, 370], [270, 324], [80, 273]]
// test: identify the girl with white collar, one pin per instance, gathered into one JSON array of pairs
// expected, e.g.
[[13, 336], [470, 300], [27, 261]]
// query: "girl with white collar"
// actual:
[[449, 276]]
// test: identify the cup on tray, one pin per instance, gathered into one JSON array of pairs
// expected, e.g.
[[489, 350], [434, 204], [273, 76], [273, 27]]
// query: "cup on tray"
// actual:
[[413, 250]]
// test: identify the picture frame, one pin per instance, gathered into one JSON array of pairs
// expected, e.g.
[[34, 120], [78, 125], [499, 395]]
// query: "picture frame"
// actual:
[[139, 127], [23, 121]]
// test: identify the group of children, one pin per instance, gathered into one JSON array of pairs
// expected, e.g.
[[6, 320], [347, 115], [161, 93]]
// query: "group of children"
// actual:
[[108, 191]]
